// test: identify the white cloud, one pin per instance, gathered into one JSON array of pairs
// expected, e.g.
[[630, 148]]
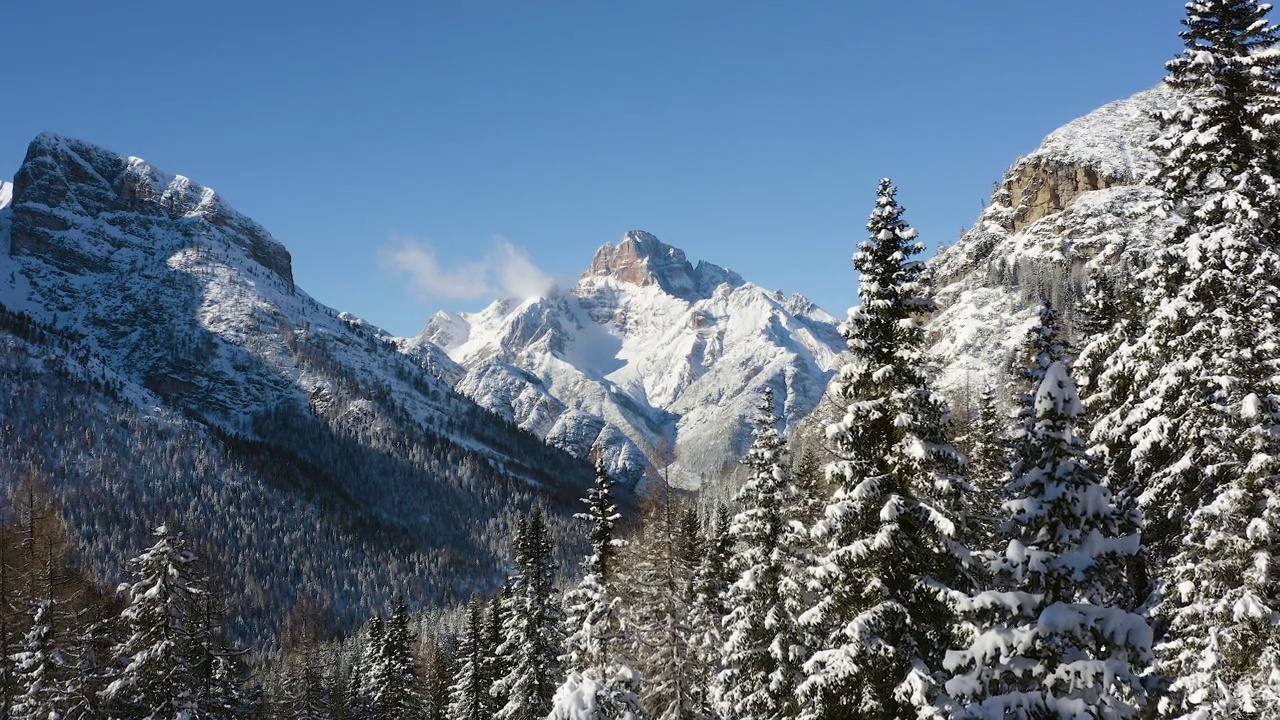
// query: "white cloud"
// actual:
[[504, 270]]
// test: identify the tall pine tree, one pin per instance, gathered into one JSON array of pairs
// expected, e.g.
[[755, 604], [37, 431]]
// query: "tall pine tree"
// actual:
[[764, 648], [1054, 638], [890, 556]]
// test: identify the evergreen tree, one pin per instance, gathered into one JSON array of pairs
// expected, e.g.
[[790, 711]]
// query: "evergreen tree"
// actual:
[[599, 685], [531, 632], [38, 672], [660, 611], [1054, 638], [711, 587], [437, 681], [1042, 347], [469, 697], [393, 687], [988, 456], [359, 698], [158, 679], [764, 649], [890, 556]]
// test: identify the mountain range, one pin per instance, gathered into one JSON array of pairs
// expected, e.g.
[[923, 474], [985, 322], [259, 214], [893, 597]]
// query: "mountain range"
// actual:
[[163, 365]]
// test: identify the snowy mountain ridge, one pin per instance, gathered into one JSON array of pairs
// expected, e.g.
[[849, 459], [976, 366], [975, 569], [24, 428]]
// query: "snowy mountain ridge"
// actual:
[[648, 359], [1073, 206], [148, 288]]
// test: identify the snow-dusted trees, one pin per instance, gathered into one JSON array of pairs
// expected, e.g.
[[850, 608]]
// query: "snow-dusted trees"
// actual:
[[1187, 404], [764, 649], [158, 677], [392, 682], [889, 554], [469, 697], [1054, 638], [710, 595], [531, 629], [660, 573], [599, 685]]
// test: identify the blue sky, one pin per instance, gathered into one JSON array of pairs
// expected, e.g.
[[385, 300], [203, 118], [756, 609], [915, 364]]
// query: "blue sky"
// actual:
[[482, 143]]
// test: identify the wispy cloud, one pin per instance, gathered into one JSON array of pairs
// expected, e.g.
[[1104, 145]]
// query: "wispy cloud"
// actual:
[[504, 270]]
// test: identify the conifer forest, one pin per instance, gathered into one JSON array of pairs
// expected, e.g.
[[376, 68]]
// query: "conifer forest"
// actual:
[[1090, 532]]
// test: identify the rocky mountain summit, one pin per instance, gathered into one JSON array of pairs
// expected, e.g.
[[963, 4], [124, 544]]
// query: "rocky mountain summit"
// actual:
[[649, 359]]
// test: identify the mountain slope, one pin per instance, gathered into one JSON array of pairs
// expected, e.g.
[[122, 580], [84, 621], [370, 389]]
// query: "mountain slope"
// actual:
[[1072, 207], [295, 439], [648, 359]]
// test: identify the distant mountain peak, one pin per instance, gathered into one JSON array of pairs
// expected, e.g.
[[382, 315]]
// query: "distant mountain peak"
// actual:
[[644, 260]]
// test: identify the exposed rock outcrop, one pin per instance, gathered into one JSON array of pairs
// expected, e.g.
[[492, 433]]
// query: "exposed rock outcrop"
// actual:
[[130, 200], [642, 259]]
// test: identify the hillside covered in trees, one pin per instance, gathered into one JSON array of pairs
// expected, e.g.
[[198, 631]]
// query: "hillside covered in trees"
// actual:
[[1092, 533]]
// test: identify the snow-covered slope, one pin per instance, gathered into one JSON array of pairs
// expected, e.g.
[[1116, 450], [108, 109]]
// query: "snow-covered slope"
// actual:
[[192, 310], [1074, 205], [6, 194], [648, 358]]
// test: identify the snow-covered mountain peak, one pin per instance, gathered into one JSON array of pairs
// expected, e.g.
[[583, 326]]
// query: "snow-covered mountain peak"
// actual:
[[1114, 140], [649, 359], [642, 259], [63, 172]]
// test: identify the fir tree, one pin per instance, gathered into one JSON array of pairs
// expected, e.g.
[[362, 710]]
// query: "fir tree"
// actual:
[[158, 677], [1054, 638], [599, 685], [531, 632], [1041, 347], [469, 697], [436, 681], [763, 649], [711, 587], [890, 554], [393, 687], [38, 675]]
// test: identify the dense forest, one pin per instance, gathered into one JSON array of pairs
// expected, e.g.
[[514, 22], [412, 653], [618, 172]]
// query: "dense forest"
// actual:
[[1098, 539]]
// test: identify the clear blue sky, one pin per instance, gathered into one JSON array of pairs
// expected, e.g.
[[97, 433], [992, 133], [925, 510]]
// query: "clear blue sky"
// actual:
[[749, 134]]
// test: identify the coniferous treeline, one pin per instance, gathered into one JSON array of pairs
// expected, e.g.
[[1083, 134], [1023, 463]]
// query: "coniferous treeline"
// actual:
[[1105, 546]]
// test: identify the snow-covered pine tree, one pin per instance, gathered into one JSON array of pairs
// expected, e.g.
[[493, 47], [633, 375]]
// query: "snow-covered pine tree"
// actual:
[[590, 625], [531, 640], [591, 655], [711, 587], [38, 673], [988, 454], [1054, 639], [1222, 604], [764, 646], [1041, 347], [436, 681], [1163, 398], [890, 558], [359, 697], [393, 688], [496, 665], [469, 697], [157, 680]]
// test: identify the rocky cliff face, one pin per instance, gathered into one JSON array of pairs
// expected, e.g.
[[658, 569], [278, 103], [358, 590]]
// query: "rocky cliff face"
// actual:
[[648, 360], [643, 260], [1074, 205], [129, 199]]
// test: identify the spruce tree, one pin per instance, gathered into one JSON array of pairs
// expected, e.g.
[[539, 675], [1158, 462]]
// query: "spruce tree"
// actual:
[[1186, 406], [38, 674], [1054, 637], [469, 697], [711, 587], [436, 681], [393, 689], [890, 558], [531, 633], [764, 648], [158, 677], [599, 685]]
